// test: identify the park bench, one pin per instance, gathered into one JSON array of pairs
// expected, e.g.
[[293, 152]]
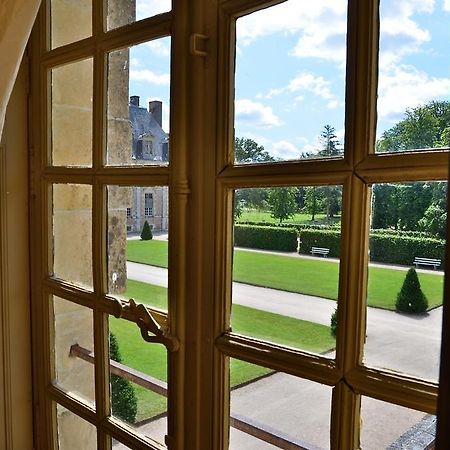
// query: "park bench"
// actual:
[[320, 251], [427, 262]]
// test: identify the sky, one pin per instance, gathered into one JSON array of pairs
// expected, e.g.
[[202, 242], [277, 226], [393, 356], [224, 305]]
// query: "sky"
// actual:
[[291, 62]]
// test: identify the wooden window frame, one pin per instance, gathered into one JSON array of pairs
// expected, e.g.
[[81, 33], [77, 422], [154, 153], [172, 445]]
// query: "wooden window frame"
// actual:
[[201, 179]]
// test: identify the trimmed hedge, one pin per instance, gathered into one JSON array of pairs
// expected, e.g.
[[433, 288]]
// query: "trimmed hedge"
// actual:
[[320, 238], [266, 238], [403, 249]]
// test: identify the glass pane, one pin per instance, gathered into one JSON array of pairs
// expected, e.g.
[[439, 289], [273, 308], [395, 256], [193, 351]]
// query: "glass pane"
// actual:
[[71, 127], [122, 12], [392, 427], [413, 108], [72, 233], [73, 349], [286, 265], [74, 432], [405, 284], [142, 402], [70, 21], [290, 82], [138, 104], [138, 243], [282, 405]]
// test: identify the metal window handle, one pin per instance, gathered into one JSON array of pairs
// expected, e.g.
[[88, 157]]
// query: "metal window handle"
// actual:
[[151, 331]]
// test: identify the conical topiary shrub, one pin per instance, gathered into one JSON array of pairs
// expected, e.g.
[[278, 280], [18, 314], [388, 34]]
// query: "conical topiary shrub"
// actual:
[[333, 323], [411, 299], [146, 234], [123, 397]]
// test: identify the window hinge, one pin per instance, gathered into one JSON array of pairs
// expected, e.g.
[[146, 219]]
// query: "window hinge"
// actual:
[[198, 44]]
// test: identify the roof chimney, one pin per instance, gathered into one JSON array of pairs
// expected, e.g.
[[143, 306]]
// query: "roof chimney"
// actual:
[[155, 108], [134, 100]]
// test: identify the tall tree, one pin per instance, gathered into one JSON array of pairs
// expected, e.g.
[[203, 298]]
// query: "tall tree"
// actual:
[[329, 142], [425, 126], [282, 202], [313, 201]]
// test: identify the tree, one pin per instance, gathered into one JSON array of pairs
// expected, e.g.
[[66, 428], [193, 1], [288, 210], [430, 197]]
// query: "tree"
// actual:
[[411, 299], [146, 234], [282, 202], [248, 151], [333, 322], [313, 201], [425, 126], [123, 397], [329, 142]]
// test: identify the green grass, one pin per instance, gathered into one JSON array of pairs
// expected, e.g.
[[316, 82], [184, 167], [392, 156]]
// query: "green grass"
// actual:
[[306, 276], [264, 216], [151, 358]]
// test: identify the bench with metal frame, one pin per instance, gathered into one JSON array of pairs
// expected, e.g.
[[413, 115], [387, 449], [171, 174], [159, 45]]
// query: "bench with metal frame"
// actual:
[[320, 251], [418, 261]]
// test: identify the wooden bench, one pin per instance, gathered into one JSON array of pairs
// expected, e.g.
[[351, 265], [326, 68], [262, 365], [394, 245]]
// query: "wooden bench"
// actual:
[[320, 251], [427, 262]]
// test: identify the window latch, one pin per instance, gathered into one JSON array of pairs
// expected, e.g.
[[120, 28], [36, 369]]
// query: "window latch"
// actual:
[[151, 331], [198, 44]]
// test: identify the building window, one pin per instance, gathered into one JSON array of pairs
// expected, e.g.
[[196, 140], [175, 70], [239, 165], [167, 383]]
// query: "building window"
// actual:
[[128, 213], [148, 205]]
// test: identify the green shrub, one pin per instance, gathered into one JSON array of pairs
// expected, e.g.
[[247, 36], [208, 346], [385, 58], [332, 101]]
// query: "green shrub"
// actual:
[[267, 238], [123, 397], [146, 234], [411, 299], [320, 238], [397, 249], [333, 323]]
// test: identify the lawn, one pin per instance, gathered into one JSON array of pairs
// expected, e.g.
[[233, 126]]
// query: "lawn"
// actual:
[[264, 216], [151, 358], [307, 276]]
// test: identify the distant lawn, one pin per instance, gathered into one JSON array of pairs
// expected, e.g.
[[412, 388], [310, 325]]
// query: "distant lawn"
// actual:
[[264, 216], [151, 358], [306, 276]]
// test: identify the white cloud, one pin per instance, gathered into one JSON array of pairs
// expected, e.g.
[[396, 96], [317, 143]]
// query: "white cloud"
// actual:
[[135, 63], [150, 77], [158, 48], [149, 8], [401, 87], [332, 104], [284, 150], [446, 5], [255, 113], [309, 82]]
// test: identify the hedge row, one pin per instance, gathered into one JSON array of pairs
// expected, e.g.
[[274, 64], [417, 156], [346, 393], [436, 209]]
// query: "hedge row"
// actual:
[[267, 238], [386, 248]]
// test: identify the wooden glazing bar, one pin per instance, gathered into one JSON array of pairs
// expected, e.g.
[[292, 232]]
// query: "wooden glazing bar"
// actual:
[[241, 7], [294, 362], [394, 388]]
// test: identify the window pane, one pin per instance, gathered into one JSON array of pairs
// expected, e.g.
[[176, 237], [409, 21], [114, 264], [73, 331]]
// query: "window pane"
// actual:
[[290, 82], [71, 106], [141, 403], [73, 335], [121, 12], [138, 104], [413, 108], [282, 405], [74, 432], [72, 233], [137, 253], [286, 265], [405, 284], [64, 16], [384, 425]]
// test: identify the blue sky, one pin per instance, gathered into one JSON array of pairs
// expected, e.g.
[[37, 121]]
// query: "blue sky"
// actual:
[[290, 68]]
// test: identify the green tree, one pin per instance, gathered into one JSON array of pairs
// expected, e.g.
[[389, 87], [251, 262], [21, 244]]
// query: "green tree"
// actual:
[[123, 397], [333, 322], [313, 201], [411, 299], [282, 202], [434, 221], [248, 151], [146, 234], [329, 142], [425, 126], [332, 199]]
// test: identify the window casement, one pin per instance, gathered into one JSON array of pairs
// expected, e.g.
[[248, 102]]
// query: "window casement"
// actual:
[[84, 175]]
